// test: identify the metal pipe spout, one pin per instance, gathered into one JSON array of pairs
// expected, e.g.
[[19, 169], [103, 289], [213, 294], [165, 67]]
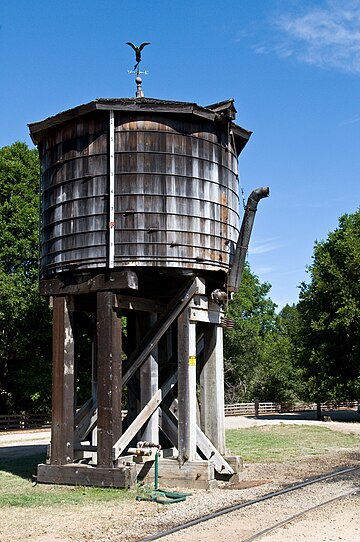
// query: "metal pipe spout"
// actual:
[[242, 245]]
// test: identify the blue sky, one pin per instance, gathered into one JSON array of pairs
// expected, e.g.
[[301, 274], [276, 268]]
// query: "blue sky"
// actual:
[[292, 66]]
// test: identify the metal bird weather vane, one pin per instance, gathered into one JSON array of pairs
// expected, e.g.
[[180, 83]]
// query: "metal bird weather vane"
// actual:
[[137, 52], [139, 92]]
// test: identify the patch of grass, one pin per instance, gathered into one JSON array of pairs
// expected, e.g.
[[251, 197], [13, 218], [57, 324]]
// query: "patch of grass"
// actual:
[[279, 443], [16, 488]]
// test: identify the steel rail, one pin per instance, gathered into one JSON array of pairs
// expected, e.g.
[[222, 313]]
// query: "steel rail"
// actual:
[[238, 506], [300, 514]]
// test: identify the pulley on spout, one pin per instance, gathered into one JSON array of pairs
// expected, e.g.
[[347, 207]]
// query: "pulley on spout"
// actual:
[[237, 267]]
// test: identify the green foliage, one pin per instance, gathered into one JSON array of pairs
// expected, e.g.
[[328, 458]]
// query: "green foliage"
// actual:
[[330, 316], [258, 351], [290, 321], [24, 317]]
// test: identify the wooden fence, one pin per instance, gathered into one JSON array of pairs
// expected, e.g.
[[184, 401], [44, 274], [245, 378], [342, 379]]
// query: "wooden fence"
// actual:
[[243, 409], [238, 409], [10, 422]]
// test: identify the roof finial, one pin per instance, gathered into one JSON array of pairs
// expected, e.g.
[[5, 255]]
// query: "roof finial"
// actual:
[[138, 80], [139, 90]]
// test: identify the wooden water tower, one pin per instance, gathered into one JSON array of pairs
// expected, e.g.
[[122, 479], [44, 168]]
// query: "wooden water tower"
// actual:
[[140, 223]]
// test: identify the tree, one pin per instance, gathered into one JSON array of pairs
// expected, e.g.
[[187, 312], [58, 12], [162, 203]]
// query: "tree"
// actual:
[[25, 346], [258, 352], [330, 316], [290, 321]]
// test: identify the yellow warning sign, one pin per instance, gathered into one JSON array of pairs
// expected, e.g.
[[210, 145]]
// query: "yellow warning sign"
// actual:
[[192, 360]]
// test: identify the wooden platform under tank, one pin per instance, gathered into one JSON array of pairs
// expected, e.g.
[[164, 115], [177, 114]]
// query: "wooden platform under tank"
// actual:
[[192, 475]]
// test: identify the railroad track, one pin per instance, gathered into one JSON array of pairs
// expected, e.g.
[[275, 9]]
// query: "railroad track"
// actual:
[[267, 497], [289, 519]]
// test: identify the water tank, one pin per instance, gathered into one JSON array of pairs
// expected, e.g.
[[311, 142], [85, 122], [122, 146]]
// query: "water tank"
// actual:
[[139, 182]]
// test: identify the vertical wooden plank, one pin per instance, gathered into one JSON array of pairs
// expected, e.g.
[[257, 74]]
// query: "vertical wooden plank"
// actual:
[[111, 248], [149, 384], [109, 383], [94, 350], [63, 400], [186, 388], [212, 388]]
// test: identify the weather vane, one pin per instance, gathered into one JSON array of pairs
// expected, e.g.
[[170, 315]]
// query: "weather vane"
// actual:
[[139, 91]]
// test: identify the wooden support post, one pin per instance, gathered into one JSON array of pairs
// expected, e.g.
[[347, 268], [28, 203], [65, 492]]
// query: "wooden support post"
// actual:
[[109, 384], [186, 388], [148, 386], [94, 372], [63, 400], [212, 388]]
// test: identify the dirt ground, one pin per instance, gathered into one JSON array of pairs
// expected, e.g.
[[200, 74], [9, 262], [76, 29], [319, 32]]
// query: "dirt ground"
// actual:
[[345, 420], [132, 521]]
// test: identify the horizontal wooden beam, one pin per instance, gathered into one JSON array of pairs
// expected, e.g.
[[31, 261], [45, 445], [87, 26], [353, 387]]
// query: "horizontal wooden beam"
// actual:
[[204, 310], [114, 281], [85, 447], [169, 469], [191, 475], [209, 317], [85, 475], [140, 304]]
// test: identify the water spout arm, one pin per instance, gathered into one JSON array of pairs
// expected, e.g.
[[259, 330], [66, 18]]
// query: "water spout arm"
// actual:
[[242, 245]]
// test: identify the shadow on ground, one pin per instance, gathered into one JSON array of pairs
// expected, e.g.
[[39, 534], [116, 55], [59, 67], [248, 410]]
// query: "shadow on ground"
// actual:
[[22, 460]]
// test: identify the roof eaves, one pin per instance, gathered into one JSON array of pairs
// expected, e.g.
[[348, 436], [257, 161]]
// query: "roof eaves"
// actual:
[[225, 104], [36, 128], [136, 104]]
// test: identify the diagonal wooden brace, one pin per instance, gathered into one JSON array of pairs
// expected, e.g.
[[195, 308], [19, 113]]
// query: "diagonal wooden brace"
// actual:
[[211, 453], [142, 417], [173, 310], [136, 425], [169, 426], [86, 425]]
